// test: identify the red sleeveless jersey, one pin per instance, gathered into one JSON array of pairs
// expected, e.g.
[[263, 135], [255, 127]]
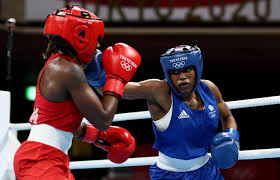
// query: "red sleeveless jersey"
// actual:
[[61, 115]]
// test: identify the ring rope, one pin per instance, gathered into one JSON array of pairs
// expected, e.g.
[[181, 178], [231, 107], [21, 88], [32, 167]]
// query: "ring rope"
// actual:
[[145, 161], [272, 100]]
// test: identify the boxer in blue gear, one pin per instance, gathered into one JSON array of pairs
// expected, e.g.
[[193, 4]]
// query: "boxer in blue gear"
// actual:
[[186, 111]]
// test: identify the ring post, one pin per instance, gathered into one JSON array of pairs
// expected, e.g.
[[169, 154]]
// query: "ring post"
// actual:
[[11, 23]]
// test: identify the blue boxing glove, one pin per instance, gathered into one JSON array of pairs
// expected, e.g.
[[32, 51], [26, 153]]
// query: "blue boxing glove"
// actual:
[[95, 72], [225, 148]]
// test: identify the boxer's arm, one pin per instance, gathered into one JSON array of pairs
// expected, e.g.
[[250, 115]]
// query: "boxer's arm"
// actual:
[[225, 145], [226, 117], [142, 90], [98, 112], [146, 89]]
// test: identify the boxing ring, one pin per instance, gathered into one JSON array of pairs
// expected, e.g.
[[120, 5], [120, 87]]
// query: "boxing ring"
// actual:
[[9, 142]]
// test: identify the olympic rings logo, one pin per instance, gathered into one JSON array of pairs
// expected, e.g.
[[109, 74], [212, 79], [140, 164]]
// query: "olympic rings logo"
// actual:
[[178, 65], [126, 66]]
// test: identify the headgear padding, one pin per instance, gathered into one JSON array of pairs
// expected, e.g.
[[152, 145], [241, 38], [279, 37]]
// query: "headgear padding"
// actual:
[[78, 27], [181, 57]]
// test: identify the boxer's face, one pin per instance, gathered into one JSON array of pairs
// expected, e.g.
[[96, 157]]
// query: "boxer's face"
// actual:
[[183, 79]]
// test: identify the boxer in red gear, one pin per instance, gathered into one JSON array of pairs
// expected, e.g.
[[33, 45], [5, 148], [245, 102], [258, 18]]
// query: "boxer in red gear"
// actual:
[[63, 98]]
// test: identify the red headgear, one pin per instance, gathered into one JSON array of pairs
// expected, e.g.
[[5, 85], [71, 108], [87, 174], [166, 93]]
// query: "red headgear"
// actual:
[[79, 27]]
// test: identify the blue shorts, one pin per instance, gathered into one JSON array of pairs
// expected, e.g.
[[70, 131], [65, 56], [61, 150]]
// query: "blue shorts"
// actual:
[[206, 172]]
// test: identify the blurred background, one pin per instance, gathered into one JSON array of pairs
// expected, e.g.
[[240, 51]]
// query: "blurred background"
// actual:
[[239, 39]]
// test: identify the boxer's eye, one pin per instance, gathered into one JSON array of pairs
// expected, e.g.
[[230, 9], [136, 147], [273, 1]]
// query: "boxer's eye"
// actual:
[[173, 71], [187, 69]]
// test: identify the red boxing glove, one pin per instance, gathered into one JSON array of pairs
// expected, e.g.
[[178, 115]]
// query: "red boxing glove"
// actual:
[[120, 63], [117, 141]]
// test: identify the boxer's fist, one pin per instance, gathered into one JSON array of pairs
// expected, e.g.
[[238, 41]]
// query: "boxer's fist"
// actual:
[[225, 148], [95, 72], [122, 144], [120, 63], [117, 141]]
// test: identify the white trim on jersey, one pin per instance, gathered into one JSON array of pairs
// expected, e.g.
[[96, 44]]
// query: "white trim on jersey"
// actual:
[[51, 136], [163, 123]]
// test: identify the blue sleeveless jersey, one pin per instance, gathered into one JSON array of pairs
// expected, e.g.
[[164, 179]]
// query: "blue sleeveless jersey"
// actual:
[[190, 131]]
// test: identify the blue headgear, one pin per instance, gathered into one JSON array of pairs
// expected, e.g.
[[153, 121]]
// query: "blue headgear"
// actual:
[[181, 57]]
